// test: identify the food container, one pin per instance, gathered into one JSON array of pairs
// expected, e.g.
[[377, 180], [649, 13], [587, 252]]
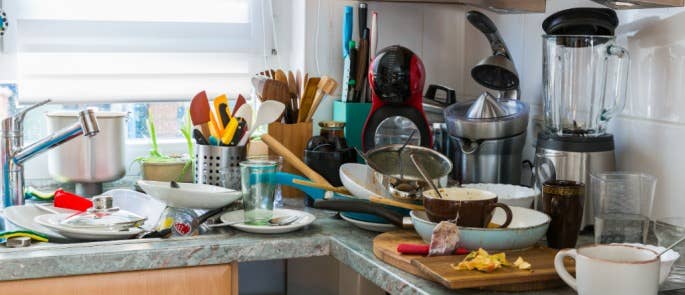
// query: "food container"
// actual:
[[168, 170], [88, 161]]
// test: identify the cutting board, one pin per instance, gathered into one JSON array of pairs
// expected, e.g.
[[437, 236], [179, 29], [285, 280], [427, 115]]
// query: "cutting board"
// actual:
[[438, 268]]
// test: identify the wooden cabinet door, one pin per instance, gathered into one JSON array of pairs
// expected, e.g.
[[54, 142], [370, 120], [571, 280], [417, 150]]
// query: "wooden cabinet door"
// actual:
[[205, 280]]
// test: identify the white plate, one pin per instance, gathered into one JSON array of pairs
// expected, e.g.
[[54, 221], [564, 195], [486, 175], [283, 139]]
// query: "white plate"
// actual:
[[52, 221], [370, 226], [138, 203], [22, 216], [234, 216], [190, 195], [667, 259], [358, 179]]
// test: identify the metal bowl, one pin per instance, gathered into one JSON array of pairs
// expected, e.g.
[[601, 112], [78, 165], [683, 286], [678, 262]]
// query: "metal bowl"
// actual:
[[527, 227], [394, 170]]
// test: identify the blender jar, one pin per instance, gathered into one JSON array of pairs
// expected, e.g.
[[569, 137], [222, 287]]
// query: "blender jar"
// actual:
[[584, 83]]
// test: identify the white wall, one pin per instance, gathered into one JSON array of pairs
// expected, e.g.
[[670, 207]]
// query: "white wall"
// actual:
[[649, 133]]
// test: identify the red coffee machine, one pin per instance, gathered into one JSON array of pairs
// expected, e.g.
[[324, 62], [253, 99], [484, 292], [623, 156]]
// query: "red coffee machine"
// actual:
[[396, 77]]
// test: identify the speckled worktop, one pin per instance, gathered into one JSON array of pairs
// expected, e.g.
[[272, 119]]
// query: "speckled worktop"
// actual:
[[328, 235]]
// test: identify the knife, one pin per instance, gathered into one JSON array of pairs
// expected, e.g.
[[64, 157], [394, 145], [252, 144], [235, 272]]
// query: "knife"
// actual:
[[361, 15], [347, 30]]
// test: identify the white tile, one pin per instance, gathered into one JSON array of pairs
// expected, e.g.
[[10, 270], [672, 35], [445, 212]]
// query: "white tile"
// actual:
[[654, 148], [443, 49]]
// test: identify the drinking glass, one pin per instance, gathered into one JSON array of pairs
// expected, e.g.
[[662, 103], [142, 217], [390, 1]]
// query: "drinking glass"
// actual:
[[278, 194], [668, 230], [623, 206], [258, 182]]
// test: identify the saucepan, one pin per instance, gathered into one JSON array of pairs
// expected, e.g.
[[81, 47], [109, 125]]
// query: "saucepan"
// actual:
[[395, 172], [527, 226]]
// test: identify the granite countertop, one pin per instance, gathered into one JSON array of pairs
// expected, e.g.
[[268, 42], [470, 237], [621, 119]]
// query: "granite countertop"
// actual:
[[328, 235]]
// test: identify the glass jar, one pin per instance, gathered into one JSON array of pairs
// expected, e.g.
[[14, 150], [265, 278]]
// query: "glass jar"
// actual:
[[332, 129]]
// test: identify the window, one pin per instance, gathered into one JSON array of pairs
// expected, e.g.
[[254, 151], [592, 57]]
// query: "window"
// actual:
[[130, 50], [133, 55]]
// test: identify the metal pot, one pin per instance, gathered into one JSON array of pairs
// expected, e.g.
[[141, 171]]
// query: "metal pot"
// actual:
[[394, 171], [89, 161]]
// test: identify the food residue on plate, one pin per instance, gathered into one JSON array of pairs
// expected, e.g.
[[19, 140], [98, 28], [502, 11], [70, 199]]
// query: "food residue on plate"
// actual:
[[481, 260]]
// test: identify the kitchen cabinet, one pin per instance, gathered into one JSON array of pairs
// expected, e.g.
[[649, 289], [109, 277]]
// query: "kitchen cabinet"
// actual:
[[538, 6], [219, 279]]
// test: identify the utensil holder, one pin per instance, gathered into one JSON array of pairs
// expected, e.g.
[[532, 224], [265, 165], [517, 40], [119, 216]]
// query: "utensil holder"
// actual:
[[294, 137], [354, 115], [210, 160]]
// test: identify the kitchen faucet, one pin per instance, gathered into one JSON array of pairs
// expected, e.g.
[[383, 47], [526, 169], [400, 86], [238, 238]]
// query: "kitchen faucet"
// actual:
[[14, 154]]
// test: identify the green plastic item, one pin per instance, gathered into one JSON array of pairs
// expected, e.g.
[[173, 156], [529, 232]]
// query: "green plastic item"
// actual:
[[23, 233], [31, 192], [354, 115]]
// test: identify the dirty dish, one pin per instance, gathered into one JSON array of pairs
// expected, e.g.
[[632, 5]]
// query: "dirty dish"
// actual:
[[53, 221], [234, 219], [190, 195], [22, 216], [512, 195], [527, 227], [358, 180], [667, 259], [470, 207], [370, 226]]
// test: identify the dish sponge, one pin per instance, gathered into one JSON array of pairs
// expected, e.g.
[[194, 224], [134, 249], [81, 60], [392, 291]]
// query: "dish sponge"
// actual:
[[31, 192], [23, 233]]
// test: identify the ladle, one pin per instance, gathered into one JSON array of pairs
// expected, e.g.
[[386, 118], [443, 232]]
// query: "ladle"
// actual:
[[424, 174]]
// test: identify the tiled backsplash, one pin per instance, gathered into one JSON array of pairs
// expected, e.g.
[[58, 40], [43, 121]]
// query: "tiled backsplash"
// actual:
[[649, 134]]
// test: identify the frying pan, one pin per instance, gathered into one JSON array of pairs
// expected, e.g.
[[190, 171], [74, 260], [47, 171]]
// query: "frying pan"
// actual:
[[357, 208]]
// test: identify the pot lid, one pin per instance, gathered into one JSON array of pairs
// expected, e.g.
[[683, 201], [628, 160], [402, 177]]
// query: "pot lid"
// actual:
[[485, 107]]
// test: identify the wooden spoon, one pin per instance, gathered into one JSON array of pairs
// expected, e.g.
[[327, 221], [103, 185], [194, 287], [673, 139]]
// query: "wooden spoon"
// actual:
[[326, 86], [307, 98], [284, 152]]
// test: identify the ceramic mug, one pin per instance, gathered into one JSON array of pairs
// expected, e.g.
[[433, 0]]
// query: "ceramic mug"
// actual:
[[611, 269], [474, 207]]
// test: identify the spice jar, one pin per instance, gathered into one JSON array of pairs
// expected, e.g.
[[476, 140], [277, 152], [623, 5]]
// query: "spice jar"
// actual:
[[332, 129]]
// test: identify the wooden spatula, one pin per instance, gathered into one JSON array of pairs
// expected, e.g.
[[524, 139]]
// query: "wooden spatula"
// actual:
[[298, 84], [199, 113], [307, 98], [326, 86], [281, 77]]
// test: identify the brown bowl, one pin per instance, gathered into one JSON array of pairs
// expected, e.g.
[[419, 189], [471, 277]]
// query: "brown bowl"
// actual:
[[473, 207]]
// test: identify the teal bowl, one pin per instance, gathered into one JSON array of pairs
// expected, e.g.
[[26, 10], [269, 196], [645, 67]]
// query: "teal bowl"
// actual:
[[527, 227]]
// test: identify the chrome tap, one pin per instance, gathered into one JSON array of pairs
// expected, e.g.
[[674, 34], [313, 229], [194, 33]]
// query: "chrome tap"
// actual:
[[14, 154]]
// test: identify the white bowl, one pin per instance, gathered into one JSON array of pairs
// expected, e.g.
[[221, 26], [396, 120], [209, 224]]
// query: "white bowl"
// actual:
[[667, 259], [527, 227], [190, 195], [512, 195], [358, 179]]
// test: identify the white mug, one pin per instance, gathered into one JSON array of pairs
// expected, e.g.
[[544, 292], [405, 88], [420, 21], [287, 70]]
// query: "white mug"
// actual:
[[611, 269]]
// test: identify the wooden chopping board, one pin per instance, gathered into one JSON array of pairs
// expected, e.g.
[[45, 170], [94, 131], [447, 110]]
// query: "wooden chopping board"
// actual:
[[438, 269]]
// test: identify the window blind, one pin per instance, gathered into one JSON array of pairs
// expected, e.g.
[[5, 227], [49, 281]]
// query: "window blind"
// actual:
[[135, 50]]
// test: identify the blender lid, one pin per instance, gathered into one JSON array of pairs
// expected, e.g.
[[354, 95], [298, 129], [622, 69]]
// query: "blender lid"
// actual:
[[485, 107], [581, 21], [578, 144]]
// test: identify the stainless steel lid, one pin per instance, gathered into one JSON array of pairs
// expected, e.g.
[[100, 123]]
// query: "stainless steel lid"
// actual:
[[459, 124]]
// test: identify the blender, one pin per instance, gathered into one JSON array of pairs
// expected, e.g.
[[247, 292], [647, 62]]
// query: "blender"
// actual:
[[584, 86]]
